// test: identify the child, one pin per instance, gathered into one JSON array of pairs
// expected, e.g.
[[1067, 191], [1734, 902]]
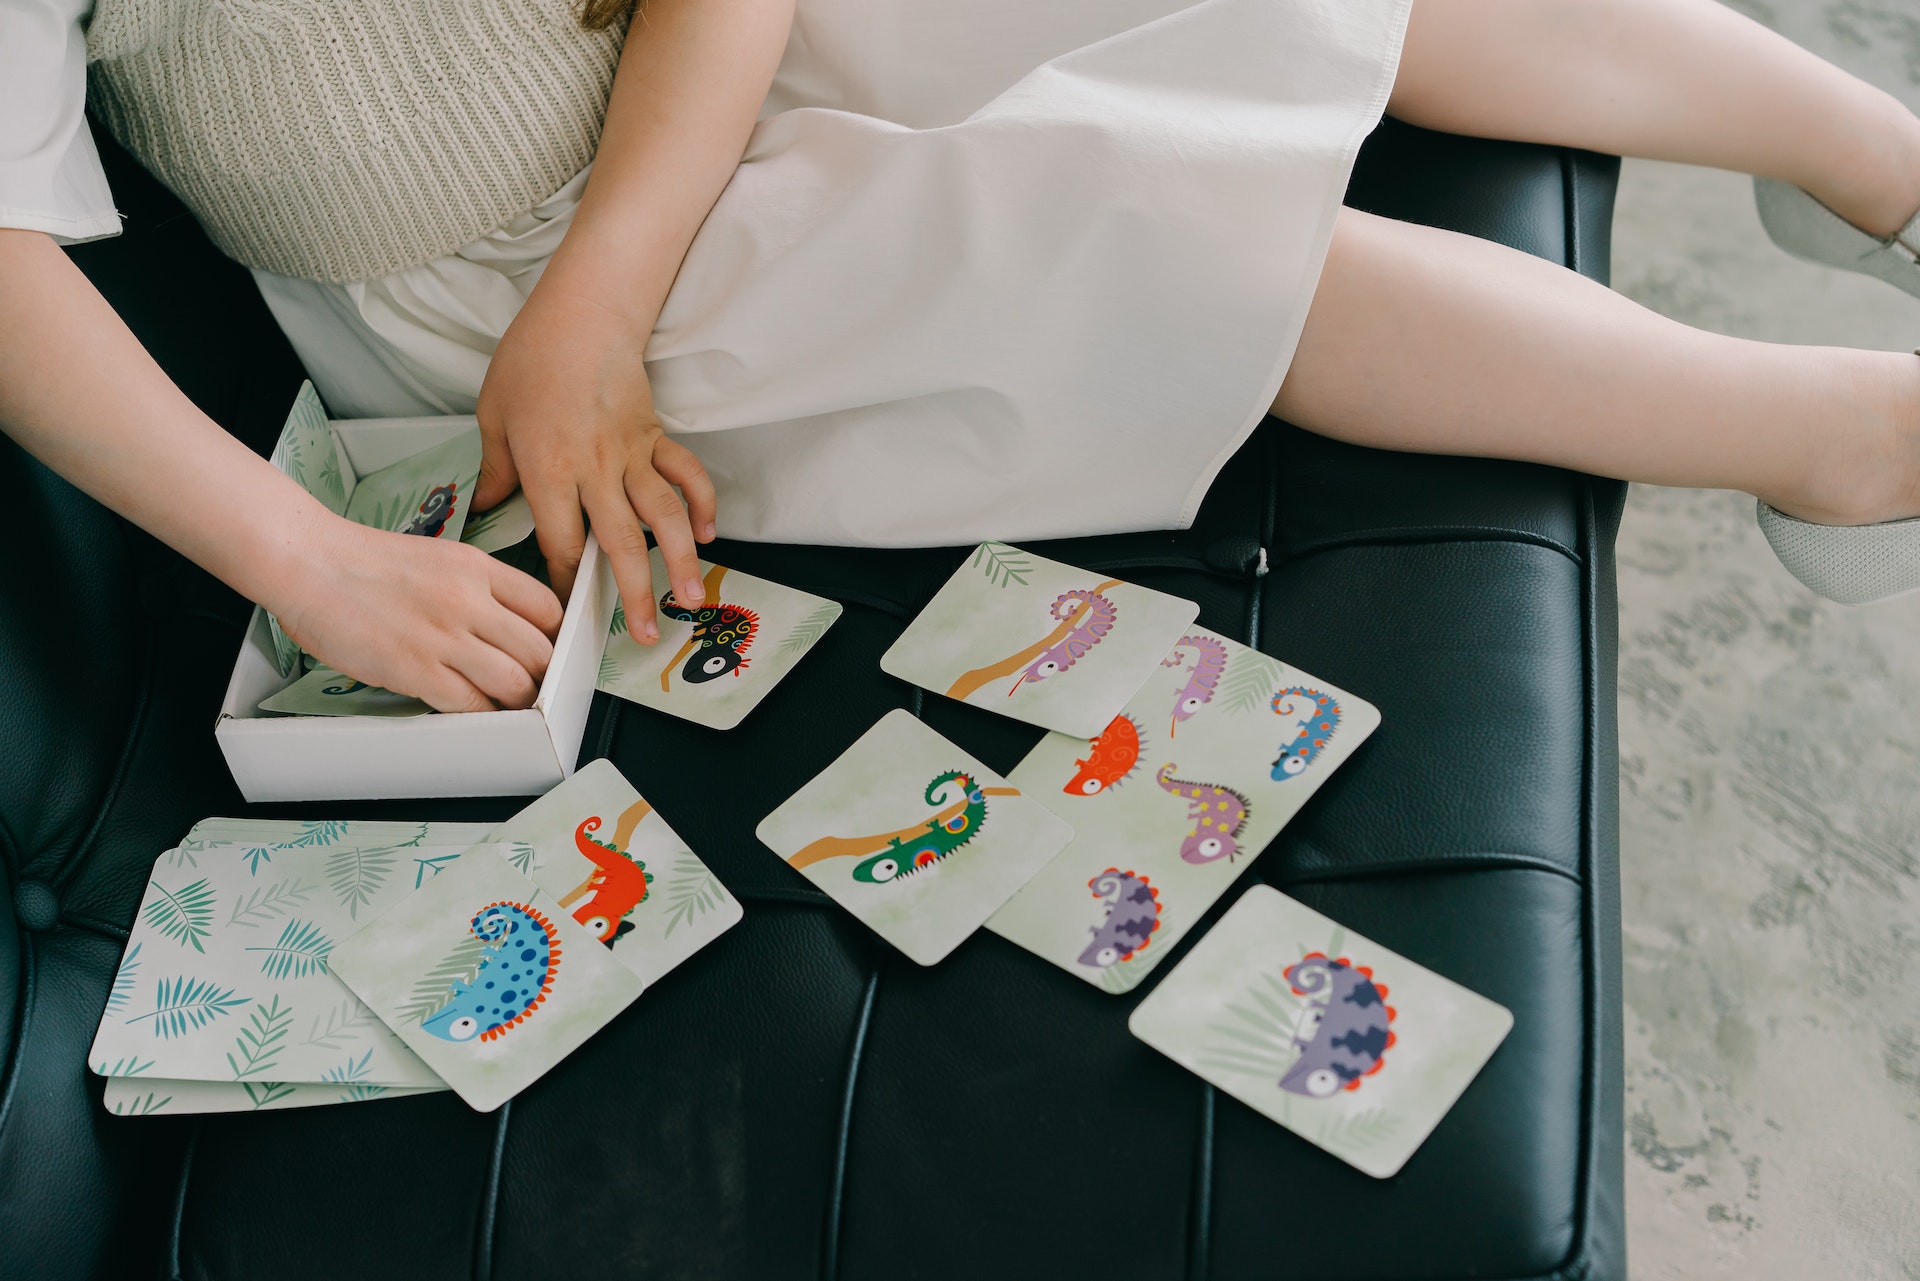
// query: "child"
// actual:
[[960, 271]]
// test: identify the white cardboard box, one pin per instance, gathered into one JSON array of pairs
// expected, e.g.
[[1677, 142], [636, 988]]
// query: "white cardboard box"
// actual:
[[520, 753]]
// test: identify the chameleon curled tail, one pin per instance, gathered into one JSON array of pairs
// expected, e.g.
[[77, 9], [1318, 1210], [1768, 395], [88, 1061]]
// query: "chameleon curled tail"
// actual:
[[516, 971], [1317, 715], [1210, 660], [1074, 646], [1133, 914], [939, 837], [1346, 1029]]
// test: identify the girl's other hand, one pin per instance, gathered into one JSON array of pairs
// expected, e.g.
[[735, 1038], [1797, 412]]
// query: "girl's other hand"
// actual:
[[438, 620], [566, 413]]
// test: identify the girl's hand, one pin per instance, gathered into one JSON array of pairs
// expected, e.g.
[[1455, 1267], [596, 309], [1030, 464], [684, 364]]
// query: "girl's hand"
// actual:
[[566, 412], [431, 618]]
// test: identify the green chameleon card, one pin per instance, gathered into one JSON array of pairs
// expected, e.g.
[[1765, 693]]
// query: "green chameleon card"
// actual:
[[712, 665], [1354, 1048], [1181, 791], [913, 836], [1042, 642]]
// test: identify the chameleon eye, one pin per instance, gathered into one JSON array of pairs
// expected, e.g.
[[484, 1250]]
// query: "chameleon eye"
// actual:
[[714, 666], [1294, 764], [1106, 956], [1091, 786], [1191, 706], [885, 870], [463, 1028], [598, 927], [1210, 847], [1047, 668], [1322, 1082]]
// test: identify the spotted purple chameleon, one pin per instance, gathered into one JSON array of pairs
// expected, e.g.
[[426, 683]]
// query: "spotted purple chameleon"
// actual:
[[1075, 644], [1344, 1033], [1210, 659], [1219, 815], [1133, 914]]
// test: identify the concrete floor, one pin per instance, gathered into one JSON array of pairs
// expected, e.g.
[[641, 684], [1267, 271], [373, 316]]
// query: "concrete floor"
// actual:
[[1770, 829]]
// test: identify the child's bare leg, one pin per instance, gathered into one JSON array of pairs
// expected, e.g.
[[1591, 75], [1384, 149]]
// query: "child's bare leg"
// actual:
[[1435, 342], [1683, 80]]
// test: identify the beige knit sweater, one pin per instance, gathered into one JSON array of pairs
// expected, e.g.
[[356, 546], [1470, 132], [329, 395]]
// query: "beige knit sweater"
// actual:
[[346, 139]]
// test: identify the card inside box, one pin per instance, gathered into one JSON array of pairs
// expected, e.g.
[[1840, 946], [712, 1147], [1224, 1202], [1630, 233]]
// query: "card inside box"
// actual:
[[517, 753]]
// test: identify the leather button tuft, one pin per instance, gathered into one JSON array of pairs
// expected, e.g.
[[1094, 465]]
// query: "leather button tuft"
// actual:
[[35, 906], [1237, 554]]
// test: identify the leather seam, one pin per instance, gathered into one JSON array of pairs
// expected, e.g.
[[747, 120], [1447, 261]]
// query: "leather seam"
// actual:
[[485, 1227], [1432, 536], [830, 1241], [174, 1231], [1479, 862], [27, 992]]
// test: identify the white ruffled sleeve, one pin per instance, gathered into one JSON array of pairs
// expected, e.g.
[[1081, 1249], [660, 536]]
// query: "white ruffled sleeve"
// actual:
[[50, 175]]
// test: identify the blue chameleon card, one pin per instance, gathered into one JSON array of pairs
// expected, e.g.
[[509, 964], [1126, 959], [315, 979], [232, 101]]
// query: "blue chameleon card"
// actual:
[[485, 977], [1354, 1048]]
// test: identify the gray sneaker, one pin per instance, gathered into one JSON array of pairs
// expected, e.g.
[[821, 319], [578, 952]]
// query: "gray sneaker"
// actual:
[[1851, 564], [1808, 229]]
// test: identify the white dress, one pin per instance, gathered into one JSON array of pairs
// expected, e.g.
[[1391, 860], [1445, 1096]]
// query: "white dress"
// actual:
[[1003, 269]]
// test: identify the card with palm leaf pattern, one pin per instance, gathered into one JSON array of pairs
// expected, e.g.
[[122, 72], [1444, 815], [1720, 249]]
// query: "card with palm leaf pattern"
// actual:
[[140, 1095], [227, 970], [1039, 641], [1181, 791], [1353, 1047], [713, 664], [325, 692], [611, 863]]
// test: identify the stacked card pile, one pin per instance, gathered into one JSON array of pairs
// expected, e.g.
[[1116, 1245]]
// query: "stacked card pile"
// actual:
[[289, 964]]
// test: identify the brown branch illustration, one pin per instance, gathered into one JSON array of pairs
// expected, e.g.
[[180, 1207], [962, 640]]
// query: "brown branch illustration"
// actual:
[[843, 846], [979, 676], [714, 576]]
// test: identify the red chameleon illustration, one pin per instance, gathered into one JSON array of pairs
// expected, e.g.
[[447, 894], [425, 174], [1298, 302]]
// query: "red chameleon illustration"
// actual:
[[618, 882], [1110, 758]]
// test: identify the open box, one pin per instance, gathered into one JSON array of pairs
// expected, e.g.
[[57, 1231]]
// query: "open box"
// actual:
[[517, 753]]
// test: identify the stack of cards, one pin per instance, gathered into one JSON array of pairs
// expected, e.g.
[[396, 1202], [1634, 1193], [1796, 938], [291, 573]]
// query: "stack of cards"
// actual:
[[225, 999], [282, 965]]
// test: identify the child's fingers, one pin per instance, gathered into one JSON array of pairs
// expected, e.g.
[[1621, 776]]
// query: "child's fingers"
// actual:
[[560, 532], [661, 508], [678, 464], [625, 545], [446, 690], [498, 476], [517, 638], [492, 672], [526, 596]]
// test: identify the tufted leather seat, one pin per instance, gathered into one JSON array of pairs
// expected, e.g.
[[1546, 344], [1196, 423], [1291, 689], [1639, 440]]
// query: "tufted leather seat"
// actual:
[[799, 1100]]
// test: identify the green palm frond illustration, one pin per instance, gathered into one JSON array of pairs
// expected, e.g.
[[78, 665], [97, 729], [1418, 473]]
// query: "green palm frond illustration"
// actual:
[[339, 1025], [301, 949], [1249, 682], [186, 855], [695, 891], [618, 627], [393, 513], [354, 1070], [122, 1067], [323, 832], [1002, 564], [265, 1092], [261, 1040], [1255, 1038], [182, 1004], [424, 867], [1357, 1130], [1124, 976], [265, 903], [149, 1102], [357, 874], [123, 979], [609, 670], [184, 915], [434, 988], [523, 856], [479, 524], [361, 1092], [810, 629]]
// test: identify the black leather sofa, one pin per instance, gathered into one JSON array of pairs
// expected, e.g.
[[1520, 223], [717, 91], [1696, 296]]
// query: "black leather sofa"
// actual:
[[800, 1101]]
